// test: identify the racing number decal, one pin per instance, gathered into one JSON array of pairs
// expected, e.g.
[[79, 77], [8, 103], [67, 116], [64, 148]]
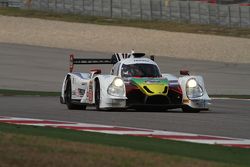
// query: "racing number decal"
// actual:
[[90, 92]]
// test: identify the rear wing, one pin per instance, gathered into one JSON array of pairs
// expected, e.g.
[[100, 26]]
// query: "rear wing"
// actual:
[[74, 61], [113, 60]]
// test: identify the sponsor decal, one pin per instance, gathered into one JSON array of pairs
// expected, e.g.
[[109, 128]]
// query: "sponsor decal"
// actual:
[[141, 61], [90, 92], [153, 81], [146, 81], [173, 83], [81, 92]]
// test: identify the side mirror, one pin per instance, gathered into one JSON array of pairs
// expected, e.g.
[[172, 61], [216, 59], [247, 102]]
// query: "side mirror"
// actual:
[[71, 63], [152, 57], [184, 72], [96, 71]]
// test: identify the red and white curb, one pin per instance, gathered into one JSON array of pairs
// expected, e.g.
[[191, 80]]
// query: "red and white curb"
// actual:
[[188, 137]]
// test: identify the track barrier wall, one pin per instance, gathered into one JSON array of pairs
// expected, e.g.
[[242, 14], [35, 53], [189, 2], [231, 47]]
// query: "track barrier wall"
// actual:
[[197, 12]]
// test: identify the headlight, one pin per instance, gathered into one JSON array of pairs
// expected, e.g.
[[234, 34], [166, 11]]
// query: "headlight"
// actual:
[[191, 83], [117, 87], [118, 82], [193, 89]]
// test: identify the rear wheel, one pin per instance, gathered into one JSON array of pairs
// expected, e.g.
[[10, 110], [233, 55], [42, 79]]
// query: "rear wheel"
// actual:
[[97, 95], [68, 98], [61, 100]]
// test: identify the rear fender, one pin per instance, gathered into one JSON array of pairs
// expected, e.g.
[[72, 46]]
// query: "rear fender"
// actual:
[[62, 99], [78, 85], [79, 82]]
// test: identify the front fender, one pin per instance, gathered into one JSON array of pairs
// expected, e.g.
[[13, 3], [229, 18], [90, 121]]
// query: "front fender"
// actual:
[[107, 100], [201, 102]]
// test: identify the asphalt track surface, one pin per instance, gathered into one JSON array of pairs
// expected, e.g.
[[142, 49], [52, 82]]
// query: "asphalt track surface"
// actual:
[[229, 118], [41, 68]]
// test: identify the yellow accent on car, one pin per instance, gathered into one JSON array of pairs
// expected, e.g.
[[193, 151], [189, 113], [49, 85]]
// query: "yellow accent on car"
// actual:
[[154, 89]]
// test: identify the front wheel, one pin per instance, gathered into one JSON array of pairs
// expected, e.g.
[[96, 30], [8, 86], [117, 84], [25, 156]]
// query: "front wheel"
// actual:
[[188, 109], [68, 98]]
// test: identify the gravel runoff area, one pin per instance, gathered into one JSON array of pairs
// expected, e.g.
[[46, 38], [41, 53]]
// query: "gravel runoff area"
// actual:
[[90, 37]]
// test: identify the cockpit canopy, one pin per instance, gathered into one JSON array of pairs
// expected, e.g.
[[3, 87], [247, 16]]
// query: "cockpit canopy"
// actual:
[[139, 70]]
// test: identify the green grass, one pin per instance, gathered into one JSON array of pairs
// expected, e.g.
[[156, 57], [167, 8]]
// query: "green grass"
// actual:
[[8, 92], [212, 153], [157, 25]]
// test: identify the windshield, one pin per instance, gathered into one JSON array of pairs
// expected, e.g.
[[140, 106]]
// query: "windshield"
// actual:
[[140, 70]]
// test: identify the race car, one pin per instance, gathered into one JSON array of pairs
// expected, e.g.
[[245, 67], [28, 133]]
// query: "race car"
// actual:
[[134, 82]]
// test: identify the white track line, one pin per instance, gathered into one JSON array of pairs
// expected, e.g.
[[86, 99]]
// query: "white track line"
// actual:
[[228, 98], [119, 130]]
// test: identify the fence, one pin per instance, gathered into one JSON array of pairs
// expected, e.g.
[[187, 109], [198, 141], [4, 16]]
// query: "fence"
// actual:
[[181, 11], [10, 3]]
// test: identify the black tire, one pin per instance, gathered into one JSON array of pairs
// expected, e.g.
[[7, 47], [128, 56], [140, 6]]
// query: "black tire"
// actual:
[[97, 95], [150, 109], [68, 100], [61, 100], [188, 109]]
